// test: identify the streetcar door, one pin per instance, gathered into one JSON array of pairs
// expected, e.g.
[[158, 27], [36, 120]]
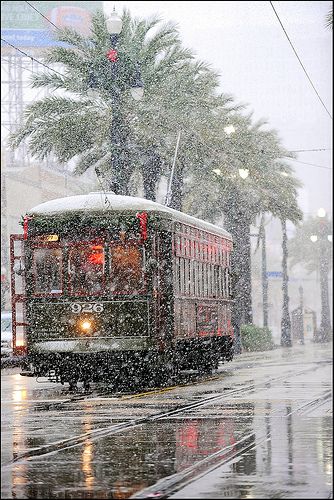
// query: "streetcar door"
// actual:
[[18, 293]]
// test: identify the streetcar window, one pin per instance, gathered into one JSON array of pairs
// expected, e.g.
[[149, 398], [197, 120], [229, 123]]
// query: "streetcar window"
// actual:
[[47, 264], [196, 266], [86, 269], [217, 292], [181, 276], [126, 268], [177, 275]]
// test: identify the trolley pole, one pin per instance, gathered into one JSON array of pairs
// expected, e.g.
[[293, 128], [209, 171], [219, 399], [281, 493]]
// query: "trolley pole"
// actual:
[[169, 190]]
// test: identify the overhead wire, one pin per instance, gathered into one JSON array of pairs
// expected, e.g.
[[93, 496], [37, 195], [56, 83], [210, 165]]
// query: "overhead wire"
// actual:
[[304, 150], [311, 164], [295, 151], [21, 67], [33, 7], [287, 157], [55, 71], [300, 62], [31, 57], [106, 199]]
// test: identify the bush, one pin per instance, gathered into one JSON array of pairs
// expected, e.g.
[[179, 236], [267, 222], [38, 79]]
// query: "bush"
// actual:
[[255, 338]]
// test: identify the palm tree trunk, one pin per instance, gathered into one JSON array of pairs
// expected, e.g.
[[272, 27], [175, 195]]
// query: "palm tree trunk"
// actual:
[[325, 324], [237, 222], [151, 174], [264, 276], [285, 322]]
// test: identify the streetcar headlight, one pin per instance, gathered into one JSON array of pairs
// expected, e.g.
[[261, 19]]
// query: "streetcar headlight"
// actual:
[[85, 325]]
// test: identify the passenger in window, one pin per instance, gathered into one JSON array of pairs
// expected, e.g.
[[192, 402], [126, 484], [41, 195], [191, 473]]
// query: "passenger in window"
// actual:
[[126, 266], [47, 270], [87, 269]]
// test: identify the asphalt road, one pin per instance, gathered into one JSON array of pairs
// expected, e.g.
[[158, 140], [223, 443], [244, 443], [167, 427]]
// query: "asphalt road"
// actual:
[[259, 427]]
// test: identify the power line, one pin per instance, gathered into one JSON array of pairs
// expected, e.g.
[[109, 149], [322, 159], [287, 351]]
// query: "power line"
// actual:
[[311, 164], [309, 79], [288, 158], [42, 15], [31, 57], [303, 150], [21, 67]]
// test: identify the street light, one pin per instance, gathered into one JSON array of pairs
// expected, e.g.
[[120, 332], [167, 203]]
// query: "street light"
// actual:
[[243, 172], [321, 213], [323, 240], [229, 129], [114, 26], [137, 86]]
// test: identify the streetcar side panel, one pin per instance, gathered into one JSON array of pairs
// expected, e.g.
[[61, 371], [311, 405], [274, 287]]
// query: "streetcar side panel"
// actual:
[[202, 295]]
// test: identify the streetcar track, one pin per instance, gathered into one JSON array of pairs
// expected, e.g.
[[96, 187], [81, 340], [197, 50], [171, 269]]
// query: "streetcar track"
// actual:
[[166, 486], [313, 404], [46, 405], [120, 427]]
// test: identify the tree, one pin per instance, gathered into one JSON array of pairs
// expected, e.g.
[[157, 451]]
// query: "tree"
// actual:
[[329, 20], [179, 92], [266, 189], [304, 251], [312, 246]]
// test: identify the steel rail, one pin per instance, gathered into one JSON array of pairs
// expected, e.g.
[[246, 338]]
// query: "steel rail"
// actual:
[[130, 424], [163, 488]]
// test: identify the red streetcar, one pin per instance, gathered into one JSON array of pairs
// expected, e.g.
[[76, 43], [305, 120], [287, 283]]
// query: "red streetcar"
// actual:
[[105, 286]]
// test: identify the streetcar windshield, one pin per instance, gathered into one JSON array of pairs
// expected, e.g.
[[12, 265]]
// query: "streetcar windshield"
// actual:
[[126, 267], [86, 267], [47, 265]]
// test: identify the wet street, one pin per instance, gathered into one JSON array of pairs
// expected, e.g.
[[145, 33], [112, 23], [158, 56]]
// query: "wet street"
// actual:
[[259, 427]]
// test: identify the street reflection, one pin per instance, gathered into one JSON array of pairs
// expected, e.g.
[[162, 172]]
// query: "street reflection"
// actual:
[[19, 396], [118, 466], [87, 456]]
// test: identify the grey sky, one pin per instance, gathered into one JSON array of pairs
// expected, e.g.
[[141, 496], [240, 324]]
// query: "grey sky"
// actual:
[[245, 43]]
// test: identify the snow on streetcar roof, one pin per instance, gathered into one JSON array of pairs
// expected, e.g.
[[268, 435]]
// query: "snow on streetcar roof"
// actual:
[[105, 202]]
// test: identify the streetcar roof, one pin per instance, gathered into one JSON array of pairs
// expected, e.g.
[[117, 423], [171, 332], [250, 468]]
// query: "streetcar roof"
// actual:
[[100, 202]]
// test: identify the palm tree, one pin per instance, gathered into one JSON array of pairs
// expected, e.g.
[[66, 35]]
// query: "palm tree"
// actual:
[[179, 94], [74, 124], [312, 246], [329, 20], [240, 201]]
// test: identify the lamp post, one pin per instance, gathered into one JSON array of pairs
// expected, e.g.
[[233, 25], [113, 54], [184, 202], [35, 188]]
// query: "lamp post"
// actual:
[[114, 27], [323, 240]]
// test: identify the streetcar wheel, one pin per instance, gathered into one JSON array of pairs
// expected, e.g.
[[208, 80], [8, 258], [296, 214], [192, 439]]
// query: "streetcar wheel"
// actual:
[[205, 369], [73, 385], [86, 385], [205, 366]]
